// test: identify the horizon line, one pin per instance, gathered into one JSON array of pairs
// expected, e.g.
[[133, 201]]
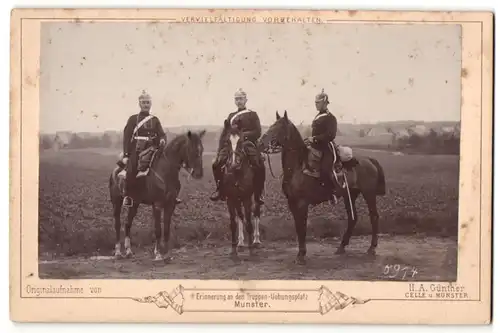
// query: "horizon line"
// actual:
[[264, 125]]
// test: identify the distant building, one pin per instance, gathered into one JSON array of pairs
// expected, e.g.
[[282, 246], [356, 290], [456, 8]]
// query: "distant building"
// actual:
[[61, 140]]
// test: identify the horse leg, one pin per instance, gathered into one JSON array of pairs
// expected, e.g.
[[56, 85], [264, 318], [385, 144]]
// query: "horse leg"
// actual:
[[132, 212], [247, 206], [232, 218], [351, 222], [371, 201], [117, 208], [300, 211], [256, 231], [157, 221], [168, 211], [241, 234]]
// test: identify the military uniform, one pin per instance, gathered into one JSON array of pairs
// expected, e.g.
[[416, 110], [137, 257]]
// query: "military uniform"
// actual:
[[248, 122], [142, 134], [324, 132]]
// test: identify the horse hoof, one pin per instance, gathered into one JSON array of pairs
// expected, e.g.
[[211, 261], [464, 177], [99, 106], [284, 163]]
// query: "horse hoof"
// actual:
[[300, 261], [118, 255], [167, 259], [371, 251], [129, 254], [257, 245], [241, 248], [235, 257], [340, 250], [158, 257]]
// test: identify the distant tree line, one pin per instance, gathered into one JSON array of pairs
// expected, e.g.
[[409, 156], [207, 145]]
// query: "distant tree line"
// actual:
[[431, 143], [75, 141]]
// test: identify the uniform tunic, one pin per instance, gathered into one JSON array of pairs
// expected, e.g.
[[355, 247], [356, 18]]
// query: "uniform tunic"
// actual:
[[249, 124], [324, 129], [152, 128]]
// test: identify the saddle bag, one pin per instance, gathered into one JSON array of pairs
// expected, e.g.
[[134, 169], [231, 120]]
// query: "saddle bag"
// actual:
[[346, 157]]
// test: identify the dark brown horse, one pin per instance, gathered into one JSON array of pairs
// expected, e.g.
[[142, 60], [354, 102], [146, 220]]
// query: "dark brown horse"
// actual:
[[158, 189], [302, 190], [238, 188]]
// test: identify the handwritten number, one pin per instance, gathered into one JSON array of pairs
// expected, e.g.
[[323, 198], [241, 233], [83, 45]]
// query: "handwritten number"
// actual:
[[405, 269], [393, 271], [397, 267]]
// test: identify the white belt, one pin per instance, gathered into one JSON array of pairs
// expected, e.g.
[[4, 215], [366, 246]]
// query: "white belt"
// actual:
[[141, 138]]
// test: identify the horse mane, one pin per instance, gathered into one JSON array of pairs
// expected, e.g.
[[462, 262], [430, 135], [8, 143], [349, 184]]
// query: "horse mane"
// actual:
[[174, 144], [296, 139]]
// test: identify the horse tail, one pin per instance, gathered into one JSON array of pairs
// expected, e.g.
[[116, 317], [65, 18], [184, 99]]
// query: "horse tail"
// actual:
[[380, 190]]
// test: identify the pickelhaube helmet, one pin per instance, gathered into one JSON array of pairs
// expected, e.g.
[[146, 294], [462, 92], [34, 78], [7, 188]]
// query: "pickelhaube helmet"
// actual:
[[144, 96], [240, 93], [322, 96]]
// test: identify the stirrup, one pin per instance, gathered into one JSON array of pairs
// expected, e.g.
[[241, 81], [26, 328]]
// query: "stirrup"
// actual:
[[334, 200], [315, 174], [216, 196], [125, 201], [142, 173], [261, 200]]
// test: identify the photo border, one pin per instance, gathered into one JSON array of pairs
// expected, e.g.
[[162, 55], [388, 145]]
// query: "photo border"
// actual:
[[477, 309]]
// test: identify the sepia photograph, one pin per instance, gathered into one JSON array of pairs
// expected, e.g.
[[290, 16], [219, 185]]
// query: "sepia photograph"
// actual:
[[371, 176], [250, 161]]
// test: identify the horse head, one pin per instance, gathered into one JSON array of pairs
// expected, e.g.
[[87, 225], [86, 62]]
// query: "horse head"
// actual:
[[236, 153], [277, 136], [192, 153]]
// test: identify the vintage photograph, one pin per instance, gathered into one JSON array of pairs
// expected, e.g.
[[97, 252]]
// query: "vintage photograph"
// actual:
[[249, 151], [251, 166]]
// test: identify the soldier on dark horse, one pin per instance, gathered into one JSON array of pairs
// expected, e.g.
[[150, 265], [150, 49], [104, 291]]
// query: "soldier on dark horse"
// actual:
[[248, 123], [324, 160], [142, 136]]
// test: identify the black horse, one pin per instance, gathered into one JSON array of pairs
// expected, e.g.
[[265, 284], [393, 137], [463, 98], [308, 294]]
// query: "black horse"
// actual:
[[302, 190], [158, 189]]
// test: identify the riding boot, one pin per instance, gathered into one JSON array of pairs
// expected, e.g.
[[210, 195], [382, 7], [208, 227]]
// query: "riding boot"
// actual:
[[337, 188], [127, 200], [217, 194], [260, 179]]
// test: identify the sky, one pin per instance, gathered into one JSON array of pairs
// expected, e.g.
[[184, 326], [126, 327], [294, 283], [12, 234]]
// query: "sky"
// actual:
[[93, 73]]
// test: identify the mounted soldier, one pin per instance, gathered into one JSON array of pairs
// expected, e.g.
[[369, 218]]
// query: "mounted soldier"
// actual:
[[324, 161], [248, 122], [142, 136]]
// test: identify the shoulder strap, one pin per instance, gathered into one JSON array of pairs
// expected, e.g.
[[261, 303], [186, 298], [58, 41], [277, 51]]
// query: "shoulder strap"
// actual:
[[141, 123], [238, 114], [319, 115]]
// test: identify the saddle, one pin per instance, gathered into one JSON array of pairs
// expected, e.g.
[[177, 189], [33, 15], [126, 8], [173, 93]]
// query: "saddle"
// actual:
[[344, 163], [144, 161]]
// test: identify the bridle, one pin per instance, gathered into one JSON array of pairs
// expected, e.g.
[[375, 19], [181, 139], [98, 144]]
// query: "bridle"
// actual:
[[184, 164]]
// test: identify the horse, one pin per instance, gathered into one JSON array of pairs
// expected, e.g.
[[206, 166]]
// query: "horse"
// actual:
[[159, 189], [302, 190], [238, 188]]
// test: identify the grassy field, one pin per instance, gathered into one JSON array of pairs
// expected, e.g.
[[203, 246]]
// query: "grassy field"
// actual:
[[76, 215]]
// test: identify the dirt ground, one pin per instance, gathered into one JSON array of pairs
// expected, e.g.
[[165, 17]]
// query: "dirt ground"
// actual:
[[419, 258]]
